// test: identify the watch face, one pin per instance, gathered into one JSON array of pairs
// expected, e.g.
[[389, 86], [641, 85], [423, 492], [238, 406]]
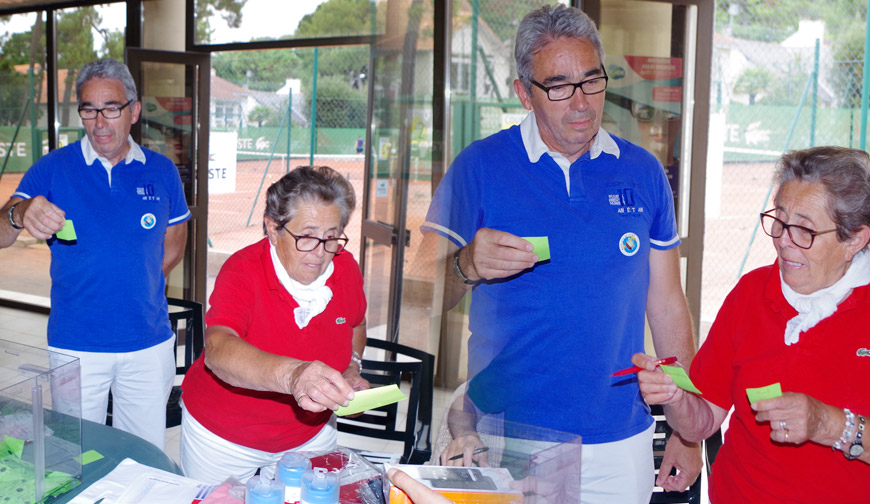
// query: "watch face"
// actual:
[[856, 450]]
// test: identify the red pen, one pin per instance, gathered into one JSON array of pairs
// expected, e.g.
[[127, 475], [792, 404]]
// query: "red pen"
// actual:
[[635, 369]]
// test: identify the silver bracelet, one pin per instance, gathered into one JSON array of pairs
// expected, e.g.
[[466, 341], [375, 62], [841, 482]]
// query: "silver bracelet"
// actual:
[[356, 357], [847, 431]]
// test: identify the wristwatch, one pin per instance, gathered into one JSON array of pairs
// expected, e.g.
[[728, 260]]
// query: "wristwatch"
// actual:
[[857, 447], [458, 271], [12, 219]]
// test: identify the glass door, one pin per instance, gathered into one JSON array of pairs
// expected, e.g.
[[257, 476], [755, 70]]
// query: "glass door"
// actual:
[[174, 90], [398, 183]]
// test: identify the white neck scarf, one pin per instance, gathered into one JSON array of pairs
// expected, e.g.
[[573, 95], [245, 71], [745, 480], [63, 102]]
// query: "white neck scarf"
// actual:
[[821, 304], [312, 298]]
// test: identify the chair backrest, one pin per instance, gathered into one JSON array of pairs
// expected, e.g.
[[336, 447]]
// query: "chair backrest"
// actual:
[[660, 439], [384, 422], [187, 325]]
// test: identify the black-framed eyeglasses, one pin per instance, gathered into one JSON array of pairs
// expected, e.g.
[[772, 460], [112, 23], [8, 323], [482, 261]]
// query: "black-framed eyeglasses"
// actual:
[[307, 243], [801, 236], [112, 112], [561, 92]]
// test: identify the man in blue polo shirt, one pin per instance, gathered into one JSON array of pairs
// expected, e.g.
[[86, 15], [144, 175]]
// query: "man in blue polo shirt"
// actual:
[[126, 204], [546, 336]]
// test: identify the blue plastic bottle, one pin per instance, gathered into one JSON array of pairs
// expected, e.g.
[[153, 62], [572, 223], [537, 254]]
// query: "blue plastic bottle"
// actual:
[[289, 470], [260, 490], [319, 487]]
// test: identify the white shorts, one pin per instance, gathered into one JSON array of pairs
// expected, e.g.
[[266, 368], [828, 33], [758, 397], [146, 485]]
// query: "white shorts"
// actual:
[[140, 382], [209, 458]]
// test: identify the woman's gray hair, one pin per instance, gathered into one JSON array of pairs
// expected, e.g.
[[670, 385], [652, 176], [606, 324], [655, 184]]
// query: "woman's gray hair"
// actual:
[[308, 184], [107, 68], [845, 175], [542, 26]]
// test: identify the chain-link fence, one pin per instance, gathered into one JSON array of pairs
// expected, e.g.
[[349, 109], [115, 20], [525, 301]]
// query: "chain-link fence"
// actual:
[[785, 75], [260, 114]]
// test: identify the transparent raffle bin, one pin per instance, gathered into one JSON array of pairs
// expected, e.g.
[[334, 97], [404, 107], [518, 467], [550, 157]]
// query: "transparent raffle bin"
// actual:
[[40, 423]]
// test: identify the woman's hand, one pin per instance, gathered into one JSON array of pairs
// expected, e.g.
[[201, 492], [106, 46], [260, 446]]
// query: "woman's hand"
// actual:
[[655, 386], [317, 387], [795, 418], [353, 378], [418, 492], [464, 447]]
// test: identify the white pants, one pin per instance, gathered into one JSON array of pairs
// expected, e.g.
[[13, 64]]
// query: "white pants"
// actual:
[[209, 458], [620, 472], [140, 382]]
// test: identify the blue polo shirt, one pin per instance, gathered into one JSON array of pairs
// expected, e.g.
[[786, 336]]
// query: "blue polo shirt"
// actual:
[[544, 342], [107, 290]]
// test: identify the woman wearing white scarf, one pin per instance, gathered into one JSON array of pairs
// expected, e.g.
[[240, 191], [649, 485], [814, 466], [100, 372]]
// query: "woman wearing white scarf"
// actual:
[[286, 329], [799, 326]]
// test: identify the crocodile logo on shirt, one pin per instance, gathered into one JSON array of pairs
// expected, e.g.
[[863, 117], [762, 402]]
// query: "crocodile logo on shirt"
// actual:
[[863, 352], [340, 320]]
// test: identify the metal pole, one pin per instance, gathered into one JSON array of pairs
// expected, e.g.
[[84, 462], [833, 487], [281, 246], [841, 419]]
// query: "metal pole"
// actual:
[[289, 125], [472, 95], [266, 171], [313, 111], [865, 87], [815, 107]]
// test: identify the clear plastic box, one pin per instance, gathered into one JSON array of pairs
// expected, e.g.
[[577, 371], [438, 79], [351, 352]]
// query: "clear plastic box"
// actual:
[[40, 423]]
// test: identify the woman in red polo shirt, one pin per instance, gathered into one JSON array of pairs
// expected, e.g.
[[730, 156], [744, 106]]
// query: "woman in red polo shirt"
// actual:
[[285, 332], [799, 324]]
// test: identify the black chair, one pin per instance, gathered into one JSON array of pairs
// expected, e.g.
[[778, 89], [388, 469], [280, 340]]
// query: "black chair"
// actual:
[[662, 433], [187, 324], [383, 423]]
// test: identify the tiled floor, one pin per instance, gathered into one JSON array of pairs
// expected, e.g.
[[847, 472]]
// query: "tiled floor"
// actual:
[[29, 329]]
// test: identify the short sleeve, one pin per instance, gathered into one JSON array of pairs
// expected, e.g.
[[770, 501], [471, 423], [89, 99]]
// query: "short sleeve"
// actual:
[[178, 210], [456, 208], [712, 369], [663, 229], [231, 301], [36, 181]]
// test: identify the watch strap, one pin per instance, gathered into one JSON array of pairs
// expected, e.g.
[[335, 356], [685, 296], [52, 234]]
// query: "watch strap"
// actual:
[[12, 218], [458, 271], [857, 447]]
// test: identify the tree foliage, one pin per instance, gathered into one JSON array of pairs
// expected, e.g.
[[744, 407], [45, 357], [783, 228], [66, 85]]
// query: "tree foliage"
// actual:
[[752, 82], [266, 70], [338, 104], [337, 17], [228, 10]]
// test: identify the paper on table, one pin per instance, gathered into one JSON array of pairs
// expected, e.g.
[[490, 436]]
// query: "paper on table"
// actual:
[[760, 393], [370, 399], [131, 482], [68, 232], [542, 246], [681, 379]]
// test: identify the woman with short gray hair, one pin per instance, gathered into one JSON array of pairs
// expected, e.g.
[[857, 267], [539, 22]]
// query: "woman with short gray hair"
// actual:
[[286, 330], [789, 349]]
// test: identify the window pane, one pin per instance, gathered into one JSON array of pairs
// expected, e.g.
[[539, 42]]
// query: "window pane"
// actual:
[[256, 20]]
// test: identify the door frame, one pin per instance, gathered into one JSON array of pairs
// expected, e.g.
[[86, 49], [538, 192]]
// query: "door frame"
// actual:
[[196, 253]]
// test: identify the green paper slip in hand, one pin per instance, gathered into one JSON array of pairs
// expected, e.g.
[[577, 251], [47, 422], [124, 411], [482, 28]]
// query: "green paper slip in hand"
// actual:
[[542, 246], [370, 399], [68, 232], [681, 379], [761, 393]]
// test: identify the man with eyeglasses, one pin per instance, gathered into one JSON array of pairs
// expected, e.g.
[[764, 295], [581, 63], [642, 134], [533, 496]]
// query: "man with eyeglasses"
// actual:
[[546, 336], [125, 205]]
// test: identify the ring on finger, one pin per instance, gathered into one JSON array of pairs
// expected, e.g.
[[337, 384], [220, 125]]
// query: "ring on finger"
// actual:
[[782, 425], [786, 434]]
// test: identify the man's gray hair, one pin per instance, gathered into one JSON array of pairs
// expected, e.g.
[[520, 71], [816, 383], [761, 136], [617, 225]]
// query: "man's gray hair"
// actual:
[[308, 185], [549, 23], [108, 68], [843, 173]]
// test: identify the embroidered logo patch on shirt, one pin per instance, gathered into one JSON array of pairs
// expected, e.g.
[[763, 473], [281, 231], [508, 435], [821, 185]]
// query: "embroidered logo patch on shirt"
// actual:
[[148, 221], [147, 193], [863, 352], [340, 320], [624, 199], [629, 244]]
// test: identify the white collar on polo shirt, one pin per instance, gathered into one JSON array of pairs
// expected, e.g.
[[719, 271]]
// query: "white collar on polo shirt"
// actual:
[[535, 146], [134, 154]]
